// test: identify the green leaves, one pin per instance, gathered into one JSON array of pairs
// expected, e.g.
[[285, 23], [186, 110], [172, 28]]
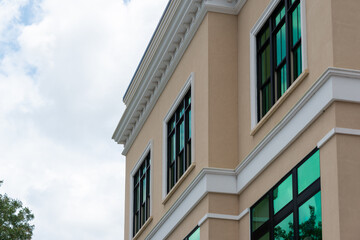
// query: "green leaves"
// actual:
[[14, 219]]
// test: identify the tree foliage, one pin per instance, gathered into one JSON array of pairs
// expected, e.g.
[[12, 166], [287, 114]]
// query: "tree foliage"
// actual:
[[308, 230], [14, 219]]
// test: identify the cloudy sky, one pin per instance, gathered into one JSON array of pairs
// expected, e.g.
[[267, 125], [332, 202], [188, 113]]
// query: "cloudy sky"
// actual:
[[64, 68]]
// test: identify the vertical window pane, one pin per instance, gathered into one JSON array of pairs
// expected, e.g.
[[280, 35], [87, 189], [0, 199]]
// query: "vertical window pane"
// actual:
[[297, 62], [144, 190], [195, 235], [280, 16], [280, 44], [172, 149], [189, 125], [264, 36], [283, 194], [182, 136], [296, 25], [310, 224], [265, 64], [285, 229], [281, 81], [266, 99], [260, 213], [308, 172]]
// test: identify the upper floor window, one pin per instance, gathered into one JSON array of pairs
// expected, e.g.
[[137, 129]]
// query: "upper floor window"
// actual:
[[179, 141], [141, 204], [279, 54], [292, 208], [194, 235]]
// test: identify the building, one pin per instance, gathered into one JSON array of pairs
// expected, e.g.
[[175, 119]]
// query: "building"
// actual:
[[242, 121]]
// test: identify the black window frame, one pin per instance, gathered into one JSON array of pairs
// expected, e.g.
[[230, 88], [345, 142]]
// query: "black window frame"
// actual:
[[141, 215], [290, 208], [290, 58], [177, 167], [191, 233]]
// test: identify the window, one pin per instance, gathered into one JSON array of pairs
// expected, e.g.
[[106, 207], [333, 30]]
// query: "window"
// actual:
[[179, 141], [194, 235], [141, 204], [279, 54], [292, 208]]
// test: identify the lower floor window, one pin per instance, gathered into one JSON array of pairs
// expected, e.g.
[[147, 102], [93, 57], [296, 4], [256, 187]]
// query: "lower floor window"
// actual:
[[141, 205], [291, 210], [194, 235]]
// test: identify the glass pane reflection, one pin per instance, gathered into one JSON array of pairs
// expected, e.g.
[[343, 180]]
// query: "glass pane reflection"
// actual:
[[310, 224]]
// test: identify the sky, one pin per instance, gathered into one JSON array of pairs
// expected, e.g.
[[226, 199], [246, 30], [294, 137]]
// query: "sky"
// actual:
[[64, 68]]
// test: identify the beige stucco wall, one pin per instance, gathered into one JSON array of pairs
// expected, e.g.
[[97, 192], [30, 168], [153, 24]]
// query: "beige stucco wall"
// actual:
[[346, 33], [193, 60], [223, 115]]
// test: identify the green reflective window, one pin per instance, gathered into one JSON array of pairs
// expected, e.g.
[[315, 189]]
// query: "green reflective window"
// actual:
[[189, 125], [195, 235], [310, 224], [172, 148], [266, 236], [282, 81], [264, 36], [260, 213], [266, 99], [265, 64], [182, 136], [297, 62], [285, 229], [296, 25], [280, 16], [282, 195], [279, 57], [308, 172], [281, 44]]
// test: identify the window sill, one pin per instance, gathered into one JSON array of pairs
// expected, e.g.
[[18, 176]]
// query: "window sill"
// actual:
[[278, 103], [176, 186], [142, 228]]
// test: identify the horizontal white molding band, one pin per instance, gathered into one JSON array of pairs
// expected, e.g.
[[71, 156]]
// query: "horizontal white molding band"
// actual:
[[223, 216], [332, 132], [334, 85]]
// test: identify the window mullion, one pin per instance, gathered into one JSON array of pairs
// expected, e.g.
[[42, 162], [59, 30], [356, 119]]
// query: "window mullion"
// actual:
[[296, 209], [272, 61], [288, 34], [271, 215]]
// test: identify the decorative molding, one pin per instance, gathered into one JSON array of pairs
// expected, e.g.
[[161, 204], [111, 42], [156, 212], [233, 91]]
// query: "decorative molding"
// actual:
[[223, 216], [332, 132], [334, 85], [189, 84], [174, 33]]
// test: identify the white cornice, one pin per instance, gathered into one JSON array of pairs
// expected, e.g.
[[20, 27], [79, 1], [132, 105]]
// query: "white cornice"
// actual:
[[333, 85], [172, 37]]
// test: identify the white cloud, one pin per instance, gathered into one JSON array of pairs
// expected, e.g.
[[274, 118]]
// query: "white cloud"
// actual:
[[64, 68]]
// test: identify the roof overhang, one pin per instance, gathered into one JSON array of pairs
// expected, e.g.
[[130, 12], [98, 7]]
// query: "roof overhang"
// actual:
[[172, 36]]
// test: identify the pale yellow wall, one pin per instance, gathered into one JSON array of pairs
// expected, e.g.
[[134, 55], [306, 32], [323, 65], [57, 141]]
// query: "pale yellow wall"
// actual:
[[348, 160], [223, 115], [346, 33], [193, 60]]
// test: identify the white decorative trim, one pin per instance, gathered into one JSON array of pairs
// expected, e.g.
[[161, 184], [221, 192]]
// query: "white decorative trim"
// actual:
[[148, 149], [253, 66], [189, 84], [171, 39], [334, 85], [332, 132], [223, 216]]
